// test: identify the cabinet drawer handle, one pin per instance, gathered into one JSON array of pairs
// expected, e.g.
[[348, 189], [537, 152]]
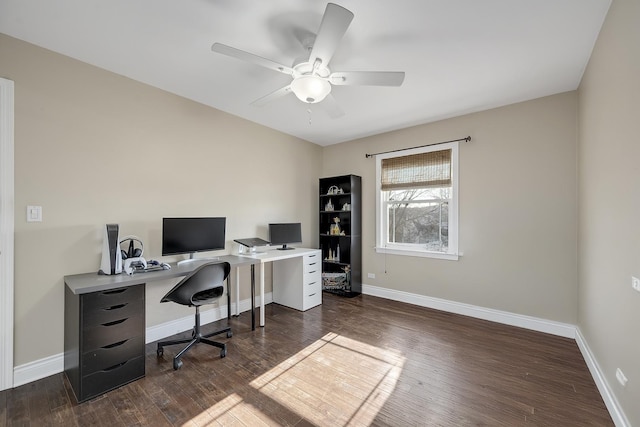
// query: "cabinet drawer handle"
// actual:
[[312, 294], [312, 263], [116, 291], [115, 344], [111, 368], [311, 256], [312, 271], [115, 322], [115, 307], [311, 283]]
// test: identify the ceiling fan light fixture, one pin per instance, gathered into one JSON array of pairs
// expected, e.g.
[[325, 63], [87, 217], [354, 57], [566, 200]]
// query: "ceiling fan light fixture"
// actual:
[[310, 89]]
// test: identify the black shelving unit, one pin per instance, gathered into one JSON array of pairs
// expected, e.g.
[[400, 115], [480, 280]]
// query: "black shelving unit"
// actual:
[[341, 199]]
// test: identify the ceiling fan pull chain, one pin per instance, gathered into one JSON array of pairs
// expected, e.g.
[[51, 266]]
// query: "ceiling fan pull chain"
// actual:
[[309, 111]]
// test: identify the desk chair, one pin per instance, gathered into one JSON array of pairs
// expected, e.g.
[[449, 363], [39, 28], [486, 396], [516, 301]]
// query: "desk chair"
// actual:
[[204, 285]]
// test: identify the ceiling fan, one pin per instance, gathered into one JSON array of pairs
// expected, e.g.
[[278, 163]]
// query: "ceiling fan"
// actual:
[[312, 78]]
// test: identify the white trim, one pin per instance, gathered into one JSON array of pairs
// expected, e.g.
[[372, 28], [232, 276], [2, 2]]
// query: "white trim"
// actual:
[[7, 204], [423, 254], [172, 327], [615, 410], [158, 332], [412, 250], [533, 323], [52, 365], [38, 369]]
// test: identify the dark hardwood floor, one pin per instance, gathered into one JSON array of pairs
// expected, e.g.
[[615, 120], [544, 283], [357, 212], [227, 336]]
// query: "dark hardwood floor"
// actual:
[[359, 361]]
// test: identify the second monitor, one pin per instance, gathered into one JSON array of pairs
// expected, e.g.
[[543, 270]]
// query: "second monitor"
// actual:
[[285, 233]]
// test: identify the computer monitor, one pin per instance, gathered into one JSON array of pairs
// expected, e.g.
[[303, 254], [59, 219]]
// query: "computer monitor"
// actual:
[[191, 235], [284, 233]]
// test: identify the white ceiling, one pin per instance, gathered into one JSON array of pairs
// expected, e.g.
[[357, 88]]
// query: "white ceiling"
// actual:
[[459, 56]]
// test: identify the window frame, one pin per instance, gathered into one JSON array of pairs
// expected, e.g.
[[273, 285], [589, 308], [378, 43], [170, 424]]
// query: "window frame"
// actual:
[[408, 249]]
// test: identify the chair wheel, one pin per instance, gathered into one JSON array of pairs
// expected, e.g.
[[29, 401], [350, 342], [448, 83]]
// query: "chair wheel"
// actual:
[[229, 334], [223, 353], [177, 364], [160, 352]]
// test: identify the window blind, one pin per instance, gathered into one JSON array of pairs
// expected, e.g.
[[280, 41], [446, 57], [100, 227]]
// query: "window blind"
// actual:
[[432, 169]]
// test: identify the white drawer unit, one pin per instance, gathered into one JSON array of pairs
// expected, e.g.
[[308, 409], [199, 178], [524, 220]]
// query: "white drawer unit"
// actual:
[[297, 282]]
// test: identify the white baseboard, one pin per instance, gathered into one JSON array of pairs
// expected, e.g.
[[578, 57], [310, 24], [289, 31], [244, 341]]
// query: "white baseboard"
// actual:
[[541, 325], [616, 412], [38, 369], [158, 332], [52, 365], [172, 327]]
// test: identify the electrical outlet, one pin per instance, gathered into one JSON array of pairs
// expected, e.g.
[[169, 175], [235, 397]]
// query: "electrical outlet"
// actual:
[[371, 275], [621, 378], [635, 283]]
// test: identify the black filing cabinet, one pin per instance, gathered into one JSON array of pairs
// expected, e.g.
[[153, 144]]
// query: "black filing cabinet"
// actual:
[[104, 339]]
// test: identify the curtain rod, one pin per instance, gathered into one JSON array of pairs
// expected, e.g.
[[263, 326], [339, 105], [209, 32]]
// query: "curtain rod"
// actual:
[[467, 139]]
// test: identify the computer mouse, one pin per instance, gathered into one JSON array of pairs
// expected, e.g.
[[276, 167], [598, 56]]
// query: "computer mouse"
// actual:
[[165, 266], [153, 262]]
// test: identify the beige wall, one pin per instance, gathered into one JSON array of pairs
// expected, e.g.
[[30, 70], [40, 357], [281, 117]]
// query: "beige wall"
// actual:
[[93, 147], [609, 194], [517, 209]]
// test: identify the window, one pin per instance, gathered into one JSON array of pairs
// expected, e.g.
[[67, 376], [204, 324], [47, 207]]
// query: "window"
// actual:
[[417, 202]]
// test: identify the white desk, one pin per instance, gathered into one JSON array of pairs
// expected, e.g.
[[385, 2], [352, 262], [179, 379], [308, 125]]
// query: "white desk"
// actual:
[[274, 255]]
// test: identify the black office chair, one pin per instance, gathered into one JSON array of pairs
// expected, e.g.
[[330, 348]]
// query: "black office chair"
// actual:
[[203, 286]]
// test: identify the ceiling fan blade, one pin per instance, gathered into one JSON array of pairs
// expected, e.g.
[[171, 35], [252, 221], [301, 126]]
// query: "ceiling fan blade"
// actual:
[[367, 78], [334, 24], [273, 95], [331, 106], [250, 57]]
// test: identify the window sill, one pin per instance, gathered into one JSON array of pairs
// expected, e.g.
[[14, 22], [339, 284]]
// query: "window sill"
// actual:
[[417, 253]]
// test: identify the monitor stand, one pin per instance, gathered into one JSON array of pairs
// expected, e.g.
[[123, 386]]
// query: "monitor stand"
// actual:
[[192, 259], [285, 248]]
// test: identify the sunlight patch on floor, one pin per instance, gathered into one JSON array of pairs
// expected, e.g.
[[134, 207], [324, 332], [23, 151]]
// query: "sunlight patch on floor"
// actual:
[[336, 381], [232, 411]]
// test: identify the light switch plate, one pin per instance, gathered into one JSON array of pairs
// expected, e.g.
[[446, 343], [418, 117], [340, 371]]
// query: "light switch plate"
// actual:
[[34, 213]]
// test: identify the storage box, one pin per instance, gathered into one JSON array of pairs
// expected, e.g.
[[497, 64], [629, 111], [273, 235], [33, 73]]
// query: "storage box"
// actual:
[[332, 281]]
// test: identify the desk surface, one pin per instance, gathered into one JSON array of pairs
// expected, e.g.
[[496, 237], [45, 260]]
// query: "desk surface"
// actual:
[[94, 282], [274, 254]]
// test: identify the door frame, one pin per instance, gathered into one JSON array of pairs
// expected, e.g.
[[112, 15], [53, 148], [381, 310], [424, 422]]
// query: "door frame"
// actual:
[[7, 205]]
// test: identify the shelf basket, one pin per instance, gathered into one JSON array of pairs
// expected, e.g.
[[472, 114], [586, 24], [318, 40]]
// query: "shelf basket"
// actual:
[[334, 281]]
